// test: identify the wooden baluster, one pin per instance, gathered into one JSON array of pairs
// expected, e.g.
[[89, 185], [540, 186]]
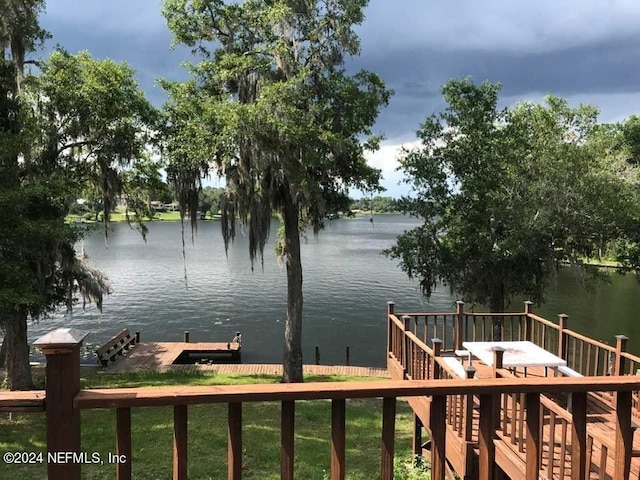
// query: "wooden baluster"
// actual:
[[180, 442], [621, 347], [417, 436], [406, 344], [563, 446], [624, 436], [552, 441], [317, 355], [388, 437], [437, 416], [123, 443], [287, 425], [486, 433], [458, 329], [337, 439], [604, 453], [532, 401], [234, 442], [579, 436], [62, 350]]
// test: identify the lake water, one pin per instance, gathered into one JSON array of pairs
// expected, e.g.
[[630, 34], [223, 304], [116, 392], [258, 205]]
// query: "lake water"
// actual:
[[347, 283]]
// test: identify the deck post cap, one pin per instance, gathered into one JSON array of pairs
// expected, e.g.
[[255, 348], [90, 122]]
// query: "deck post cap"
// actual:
[[622, 337], [528, 302], [391, 302], [459, 302], [61, 338], [436, 340], [498, 349]]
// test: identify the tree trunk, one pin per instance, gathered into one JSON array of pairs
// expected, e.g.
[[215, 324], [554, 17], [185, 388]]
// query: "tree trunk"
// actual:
[[496, 306], [3, 352], [292, 361], [18, 368]]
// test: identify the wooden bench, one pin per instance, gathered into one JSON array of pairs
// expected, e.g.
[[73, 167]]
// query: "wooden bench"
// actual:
[[116, 345], [568, 372]]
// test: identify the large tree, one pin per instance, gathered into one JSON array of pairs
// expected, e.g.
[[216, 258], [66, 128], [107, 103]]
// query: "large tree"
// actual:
[[273, 110], [81, 122], [506, 195]]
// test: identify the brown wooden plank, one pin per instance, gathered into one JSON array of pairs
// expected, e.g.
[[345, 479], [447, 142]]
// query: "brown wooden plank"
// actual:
[[388, 438], [185, 395], [338, 439], [438, 428], [485, 437], [123, 443], [31, 401], [180, 442], [532, 402], [234, 442], [579, 436], [624, 439], [287, 426]]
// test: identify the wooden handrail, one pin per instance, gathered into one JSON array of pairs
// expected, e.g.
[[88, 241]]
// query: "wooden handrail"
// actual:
[[32, 401], [543, 321], [583, 338], [190, 395]]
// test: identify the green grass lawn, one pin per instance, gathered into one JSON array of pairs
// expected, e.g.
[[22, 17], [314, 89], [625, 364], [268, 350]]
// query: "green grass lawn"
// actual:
[[152, 430]]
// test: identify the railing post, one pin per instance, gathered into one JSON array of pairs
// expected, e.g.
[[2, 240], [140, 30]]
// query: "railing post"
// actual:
[[498, 355], [624, 436], [563, 339], [62, 350], [528, 324], [388, 437], [390, 311], [317, 355], [337, 439], [137, 337], [621, 347], [532, 401], [437, 350], [579, 436], [186, 337], [437, 424], [470, 372], [234, 441], [459, 325], [123, 443], [406, 321], [486, 432], [180, 464], [287, 426]]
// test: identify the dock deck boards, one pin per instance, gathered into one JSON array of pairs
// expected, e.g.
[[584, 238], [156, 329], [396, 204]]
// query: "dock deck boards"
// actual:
[[159, 357]]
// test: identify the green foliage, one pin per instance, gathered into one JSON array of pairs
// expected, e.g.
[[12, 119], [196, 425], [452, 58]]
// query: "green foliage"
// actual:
[[272, 109], [507, 194]]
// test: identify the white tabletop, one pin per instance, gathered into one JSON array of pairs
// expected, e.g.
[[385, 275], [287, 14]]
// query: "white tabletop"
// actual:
[[517, 354]]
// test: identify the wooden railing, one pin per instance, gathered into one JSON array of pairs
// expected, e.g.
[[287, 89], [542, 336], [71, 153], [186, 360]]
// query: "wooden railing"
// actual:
[[411, 357], [485, 391]]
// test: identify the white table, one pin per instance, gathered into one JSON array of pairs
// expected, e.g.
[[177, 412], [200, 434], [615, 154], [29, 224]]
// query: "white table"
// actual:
[[516, 354]]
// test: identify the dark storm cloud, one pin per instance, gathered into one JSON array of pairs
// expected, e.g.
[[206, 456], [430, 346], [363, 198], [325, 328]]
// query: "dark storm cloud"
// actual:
[[417, 73], [585, 50]]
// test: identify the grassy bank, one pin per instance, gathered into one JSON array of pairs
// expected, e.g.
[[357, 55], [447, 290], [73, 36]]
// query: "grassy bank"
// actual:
[[152, 430], [119, 216]]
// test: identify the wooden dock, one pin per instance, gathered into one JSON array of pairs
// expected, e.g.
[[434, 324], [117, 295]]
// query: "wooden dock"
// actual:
[[160, 357]]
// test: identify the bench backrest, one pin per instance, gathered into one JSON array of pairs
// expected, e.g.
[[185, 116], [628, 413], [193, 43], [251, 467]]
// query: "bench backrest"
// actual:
[[115, 346]]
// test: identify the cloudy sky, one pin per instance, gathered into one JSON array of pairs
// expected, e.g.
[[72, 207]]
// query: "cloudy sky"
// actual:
[[585, 50]]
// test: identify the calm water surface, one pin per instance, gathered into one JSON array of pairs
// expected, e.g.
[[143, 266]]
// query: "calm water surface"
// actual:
[[347, 283]]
